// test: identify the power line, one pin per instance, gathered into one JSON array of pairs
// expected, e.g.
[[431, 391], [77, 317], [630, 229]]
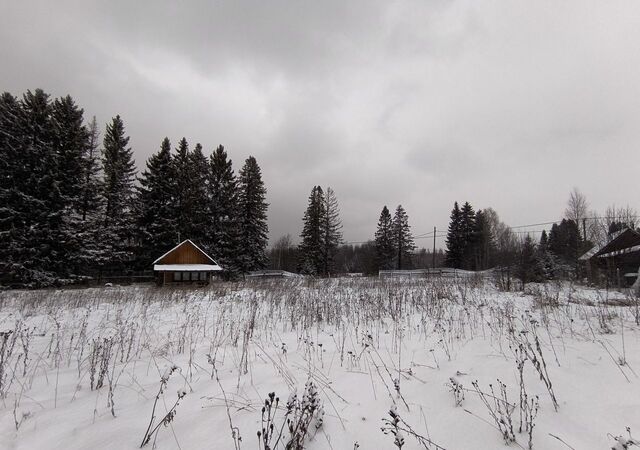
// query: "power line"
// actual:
[[431, 233]]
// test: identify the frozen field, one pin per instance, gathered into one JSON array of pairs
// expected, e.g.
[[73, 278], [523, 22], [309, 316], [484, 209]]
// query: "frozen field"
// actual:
[[82, 369]]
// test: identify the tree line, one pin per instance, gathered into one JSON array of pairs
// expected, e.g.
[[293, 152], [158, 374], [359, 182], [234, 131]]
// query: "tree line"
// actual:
[[475, 240], [73, 206]]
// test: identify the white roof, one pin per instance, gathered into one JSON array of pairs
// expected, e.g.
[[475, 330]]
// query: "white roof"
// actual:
[[184, 242], [186, 267]]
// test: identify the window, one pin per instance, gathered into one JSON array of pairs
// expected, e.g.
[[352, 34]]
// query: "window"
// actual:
[[203, 276], [194, 276], [177, 276]]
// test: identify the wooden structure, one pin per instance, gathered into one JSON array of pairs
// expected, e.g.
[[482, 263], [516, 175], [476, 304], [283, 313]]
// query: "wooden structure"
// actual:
[[186, 263], [615, 262]]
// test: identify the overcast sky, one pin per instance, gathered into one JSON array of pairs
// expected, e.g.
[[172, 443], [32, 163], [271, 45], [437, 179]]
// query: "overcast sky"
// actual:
[[507, 104]]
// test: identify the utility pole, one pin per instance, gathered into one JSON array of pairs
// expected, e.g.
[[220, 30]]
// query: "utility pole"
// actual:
[[584, 229], [433, 255]]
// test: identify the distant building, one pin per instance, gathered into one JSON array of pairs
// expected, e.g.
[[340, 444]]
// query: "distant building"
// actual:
[[615, 262], [185, 263]]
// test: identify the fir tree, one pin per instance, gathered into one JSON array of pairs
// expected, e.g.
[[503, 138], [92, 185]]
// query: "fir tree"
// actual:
[[119, 173], [91, 184], [331, 231], [39, 254], [385, 250], [16, 202], [483, 242], [223, 228], [199, 199], [70, 143], [181, 177], [455, 240], [156, 221], [402, 239], [467, 234], [564, 241], [252, 218], [310, 249]]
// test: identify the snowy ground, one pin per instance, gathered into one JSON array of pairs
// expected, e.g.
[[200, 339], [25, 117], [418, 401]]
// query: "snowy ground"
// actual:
[[366, 345]]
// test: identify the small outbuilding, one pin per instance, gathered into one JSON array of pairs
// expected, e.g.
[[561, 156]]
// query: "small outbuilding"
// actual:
[[616, 262], [186, 263]]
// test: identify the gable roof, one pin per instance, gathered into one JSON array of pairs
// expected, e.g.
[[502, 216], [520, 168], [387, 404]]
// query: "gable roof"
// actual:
[[623, 241], [186, 241]]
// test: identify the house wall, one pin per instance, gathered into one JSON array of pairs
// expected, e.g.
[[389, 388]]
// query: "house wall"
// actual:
[[185, 254]]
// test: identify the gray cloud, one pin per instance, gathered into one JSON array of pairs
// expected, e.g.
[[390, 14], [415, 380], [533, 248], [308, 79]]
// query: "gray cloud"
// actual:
[[422, 103]]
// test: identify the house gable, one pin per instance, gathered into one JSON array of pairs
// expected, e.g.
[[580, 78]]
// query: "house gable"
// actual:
[[185, 253]]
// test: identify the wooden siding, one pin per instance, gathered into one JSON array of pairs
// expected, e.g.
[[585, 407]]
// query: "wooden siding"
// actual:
[[187, 253]]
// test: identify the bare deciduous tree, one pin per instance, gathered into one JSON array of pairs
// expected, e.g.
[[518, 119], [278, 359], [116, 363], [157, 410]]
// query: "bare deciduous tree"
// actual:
[[577, 208]]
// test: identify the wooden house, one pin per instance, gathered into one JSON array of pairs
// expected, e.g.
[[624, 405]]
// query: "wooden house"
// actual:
[[185, 263], [616, 262]]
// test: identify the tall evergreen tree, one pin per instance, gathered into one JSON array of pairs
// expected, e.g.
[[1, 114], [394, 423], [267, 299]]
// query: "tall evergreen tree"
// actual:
[[310, 249], [564, 241], [199, 216], [467, 234], [70, 143], [223, 237], [331, 231], [402, 239], [39, 255], [91, 184], [252, 209], [17, 200], [156, 217], [483, 242], [181, 177], [385, 250], [455, 239], [94, 243], [119, 173]]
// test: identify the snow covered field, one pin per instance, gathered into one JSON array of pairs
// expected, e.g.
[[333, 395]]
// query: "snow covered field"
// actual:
[[82, 369]]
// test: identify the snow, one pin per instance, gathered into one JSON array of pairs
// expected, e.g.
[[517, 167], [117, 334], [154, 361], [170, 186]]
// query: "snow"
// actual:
[[186, 267], [368, 346]]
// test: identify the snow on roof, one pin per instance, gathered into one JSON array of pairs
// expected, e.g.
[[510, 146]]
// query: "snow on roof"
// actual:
[[597, 248], [182, 243], [186, 267], [635, 248]]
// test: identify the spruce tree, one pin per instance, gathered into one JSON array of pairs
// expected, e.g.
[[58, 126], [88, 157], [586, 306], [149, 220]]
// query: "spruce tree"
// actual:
[[222, 239], [91, 184], [39, 254], [310, 249], [565, 241], [119, 174], [94, 244], [181, 177], [156, 220], [331, 231], [199, 198], [15, 202], [385, 250], [252, 218], [70, 141], [467, 235], [454, 241], [483, 243], [402, 239]]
